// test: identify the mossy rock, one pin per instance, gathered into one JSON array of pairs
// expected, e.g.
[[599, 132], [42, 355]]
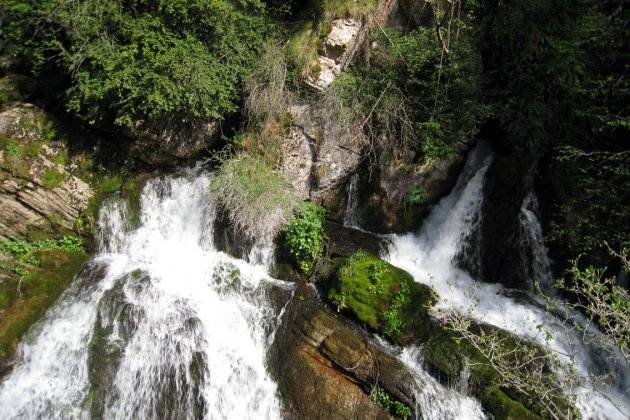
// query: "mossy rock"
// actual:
[[381, 296], [40, 288], [502, 407]]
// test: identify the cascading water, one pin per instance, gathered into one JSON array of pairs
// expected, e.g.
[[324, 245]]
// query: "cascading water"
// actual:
[[351, 214], [533, 250], [430, 256], [158, 325]]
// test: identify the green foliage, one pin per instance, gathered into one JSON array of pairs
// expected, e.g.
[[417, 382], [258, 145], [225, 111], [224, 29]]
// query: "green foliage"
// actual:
[[52, 178], [389, 403], [143, 60], [414, 95], [588, 213], [110, 184], [303, 49], [394, 317], [604, 301], [14, 150], [304, 235], [256, 199], [21, 248], [346, 8], [416, 196]]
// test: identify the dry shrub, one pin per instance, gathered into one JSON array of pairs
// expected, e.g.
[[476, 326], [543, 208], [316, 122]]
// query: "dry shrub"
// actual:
[[257, 200]]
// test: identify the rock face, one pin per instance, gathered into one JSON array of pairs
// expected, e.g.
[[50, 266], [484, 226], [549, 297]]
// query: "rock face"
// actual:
[[508, 181], [315, 159], [160, 143], [326, 369], [398, 198], [337, 48], [37, 195]]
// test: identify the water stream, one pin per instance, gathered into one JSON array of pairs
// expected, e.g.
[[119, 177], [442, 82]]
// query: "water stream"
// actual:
[[431, 256], [158, 325]]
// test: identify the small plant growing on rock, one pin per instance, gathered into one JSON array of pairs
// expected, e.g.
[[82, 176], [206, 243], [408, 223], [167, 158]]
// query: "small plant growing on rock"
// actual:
[[304, 235], [52, 179], [389, 403], [393, 318], [256, 199], [416, 196]]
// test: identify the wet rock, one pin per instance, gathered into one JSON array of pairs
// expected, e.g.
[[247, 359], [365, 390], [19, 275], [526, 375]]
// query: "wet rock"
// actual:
[[326, 368], [38, 196], [509, 180], [401, 195], [345, 241]]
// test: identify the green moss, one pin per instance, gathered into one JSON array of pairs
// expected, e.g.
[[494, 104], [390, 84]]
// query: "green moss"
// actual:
[[502, 407], [110, 184], [131, 192], [380, 295], [52, 179], [40, 288]]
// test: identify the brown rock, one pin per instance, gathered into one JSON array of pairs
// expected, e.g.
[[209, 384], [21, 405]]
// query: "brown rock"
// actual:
[[326, 368]]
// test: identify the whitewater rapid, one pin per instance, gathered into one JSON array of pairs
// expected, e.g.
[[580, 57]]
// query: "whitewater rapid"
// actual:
[[431, 257], [158, 324]]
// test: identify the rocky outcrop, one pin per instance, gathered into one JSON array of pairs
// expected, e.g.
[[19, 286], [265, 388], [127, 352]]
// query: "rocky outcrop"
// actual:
[[401, 194], [509, 180], [316, 158], [346, 38], [167, 141], [326, 368], [38, 196], [337, 49]]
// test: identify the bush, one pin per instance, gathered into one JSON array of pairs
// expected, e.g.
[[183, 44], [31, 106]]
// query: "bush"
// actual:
[[304, 235], [256, 199], [141, 61]]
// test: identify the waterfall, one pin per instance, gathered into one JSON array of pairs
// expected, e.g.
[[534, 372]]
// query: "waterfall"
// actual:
[[351, 214], [435, 401], [430, 256], [159, 324], [534, 253]]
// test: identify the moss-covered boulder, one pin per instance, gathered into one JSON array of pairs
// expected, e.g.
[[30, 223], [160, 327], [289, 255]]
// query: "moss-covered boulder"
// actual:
[[381, 296], [30, 288], [388, 301]]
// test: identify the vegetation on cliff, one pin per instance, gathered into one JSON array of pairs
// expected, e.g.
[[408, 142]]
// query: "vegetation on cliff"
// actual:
[[32, 276]]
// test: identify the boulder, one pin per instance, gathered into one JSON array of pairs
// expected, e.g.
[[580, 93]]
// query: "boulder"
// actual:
[[326, 368]]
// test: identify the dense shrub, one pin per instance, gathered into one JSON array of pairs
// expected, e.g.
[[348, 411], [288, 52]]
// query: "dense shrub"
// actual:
[[140, 60], [412, 94], [304, 235]]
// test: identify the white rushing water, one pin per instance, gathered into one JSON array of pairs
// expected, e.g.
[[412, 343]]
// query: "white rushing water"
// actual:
[[430, 255], [434, 401], [158, 325]]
